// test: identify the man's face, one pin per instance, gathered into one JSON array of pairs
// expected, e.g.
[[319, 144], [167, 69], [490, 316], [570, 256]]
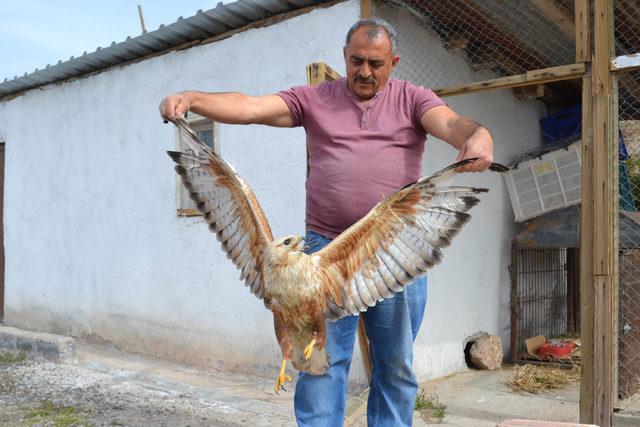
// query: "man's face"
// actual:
[[369, 62]]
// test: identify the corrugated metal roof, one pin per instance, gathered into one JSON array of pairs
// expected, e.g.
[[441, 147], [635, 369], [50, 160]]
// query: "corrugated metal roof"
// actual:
[[204, 24]]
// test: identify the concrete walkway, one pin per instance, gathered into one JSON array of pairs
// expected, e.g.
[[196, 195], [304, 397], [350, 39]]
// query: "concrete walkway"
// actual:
[[472, 398]]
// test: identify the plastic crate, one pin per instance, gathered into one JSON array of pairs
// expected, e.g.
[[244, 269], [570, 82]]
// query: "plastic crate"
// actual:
[[564, 125], [550, 182]]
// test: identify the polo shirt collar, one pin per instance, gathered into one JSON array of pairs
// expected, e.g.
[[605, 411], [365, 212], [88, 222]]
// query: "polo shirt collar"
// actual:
[[345, 88]]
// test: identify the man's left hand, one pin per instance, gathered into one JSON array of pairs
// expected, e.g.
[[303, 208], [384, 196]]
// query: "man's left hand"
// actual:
[[479, 145]]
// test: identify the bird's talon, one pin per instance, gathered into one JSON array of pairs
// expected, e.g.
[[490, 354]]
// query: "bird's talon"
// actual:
[[308, 351], [282, 378]]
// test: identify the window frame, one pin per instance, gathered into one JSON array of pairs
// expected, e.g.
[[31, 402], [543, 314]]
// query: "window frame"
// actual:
[[198, 123]]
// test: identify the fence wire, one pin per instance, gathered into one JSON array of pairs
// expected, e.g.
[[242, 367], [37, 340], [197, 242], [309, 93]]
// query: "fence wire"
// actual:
[[627, 42], [480, 39], [629, 290], [627, 26], [453, 42]]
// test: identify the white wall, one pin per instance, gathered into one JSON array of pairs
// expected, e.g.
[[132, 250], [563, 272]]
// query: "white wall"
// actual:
[[92, 240], [93, 244]]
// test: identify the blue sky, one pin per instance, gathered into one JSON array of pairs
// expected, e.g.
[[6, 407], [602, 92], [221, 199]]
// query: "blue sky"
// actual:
[[34, 33]]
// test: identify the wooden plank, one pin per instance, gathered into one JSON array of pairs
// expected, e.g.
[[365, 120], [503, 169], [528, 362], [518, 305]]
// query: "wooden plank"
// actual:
[[528, 92], [586, 249], [602, 119], [315, 73], [626, 62], [330, 73], [546, 75], [602, 175], [583, 42], [558, 16], [597, 398], [365, 9], [615, 274]]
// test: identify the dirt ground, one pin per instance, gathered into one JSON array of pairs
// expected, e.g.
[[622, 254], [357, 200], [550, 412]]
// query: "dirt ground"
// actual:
[[50, 394], [107, 387]]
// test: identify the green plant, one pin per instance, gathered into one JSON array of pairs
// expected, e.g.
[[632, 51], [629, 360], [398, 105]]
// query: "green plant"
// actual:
[[430, 403], [59, 415], [9, 358]]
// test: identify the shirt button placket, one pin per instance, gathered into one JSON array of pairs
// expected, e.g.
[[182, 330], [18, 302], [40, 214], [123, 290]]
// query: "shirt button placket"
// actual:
[[365, 118]]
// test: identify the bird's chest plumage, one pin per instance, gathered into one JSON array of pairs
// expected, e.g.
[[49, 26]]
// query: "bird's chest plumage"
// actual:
[[293, 287]]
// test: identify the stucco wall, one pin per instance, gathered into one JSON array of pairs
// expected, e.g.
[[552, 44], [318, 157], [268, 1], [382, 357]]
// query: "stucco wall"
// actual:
[[94, 246], [92, 239]]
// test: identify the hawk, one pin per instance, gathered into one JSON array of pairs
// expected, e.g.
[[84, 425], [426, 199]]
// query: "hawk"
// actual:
[[398, 240]]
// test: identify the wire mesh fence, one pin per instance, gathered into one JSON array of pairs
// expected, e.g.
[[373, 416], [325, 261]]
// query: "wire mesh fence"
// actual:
[[454, 42], [481, 39], [629, 288], [627, 42], [627, 26]]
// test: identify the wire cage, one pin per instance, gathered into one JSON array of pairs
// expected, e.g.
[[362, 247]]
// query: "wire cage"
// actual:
[[545, 280], [545, 288]]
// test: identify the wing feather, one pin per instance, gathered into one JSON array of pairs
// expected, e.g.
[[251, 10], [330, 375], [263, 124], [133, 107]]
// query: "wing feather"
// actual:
[[365, 295], [228, 205], [397, 241]]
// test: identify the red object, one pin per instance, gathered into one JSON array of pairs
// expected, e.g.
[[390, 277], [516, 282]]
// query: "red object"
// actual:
[[556, 349]]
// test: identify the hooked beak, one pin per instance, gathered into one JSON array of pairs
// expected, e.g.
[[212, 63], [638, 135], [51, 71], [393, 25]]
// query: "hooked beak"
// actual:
[[298, 244]]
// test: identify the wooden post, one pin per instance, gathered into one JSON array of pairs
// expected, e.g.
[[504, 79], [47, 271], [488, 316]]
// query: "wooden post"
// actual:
[[318, 72], [587, 322], [365, 9], [583, 42], [598, 230]]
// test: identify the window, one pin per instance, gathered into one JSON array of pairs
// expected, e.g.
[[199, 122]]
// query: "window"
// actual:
[[207, 130]]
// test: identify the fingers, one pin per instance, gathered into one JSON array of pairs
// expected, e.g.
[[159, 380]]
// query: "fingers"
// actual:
[[480, 145], [174, 106], [479, 165]]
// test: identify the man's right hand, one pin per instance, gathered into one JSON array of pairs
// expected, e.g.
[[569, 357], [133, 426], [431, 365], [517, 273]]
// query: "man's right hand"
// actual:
[[174, 106], [228, 107]]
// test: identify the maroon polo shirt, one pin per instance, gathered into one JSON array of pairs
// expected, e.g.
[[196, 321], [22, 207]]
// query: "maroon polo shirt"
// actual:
[[359, 152]]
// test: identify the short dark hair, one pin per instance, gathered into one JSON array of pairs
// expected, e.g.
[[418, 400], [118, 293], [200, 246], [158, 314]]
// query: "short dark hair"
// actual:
[[376, 25]]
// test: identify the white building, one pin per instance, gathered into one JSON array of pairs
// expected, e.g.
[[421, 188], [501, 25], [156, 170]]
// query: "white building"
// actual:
[[93, 242]]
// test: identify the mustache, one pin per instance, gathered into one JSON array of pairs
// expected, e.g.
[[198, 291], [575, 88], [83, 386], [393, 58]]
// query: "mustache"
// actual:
[[367, 80]]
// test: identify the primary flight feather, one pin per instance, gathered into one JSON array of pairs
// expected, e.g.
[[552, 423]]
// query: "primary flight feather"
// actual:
[[398, 240]]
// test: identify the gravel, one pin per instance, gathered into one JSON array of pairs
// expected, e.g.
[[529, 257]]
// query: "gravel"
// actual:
[[44, 393]]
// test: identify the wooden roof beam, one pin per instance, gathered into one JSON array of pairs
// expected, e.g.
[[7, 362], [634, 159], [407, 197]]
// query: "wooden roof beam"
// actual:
[[481, 30], [546, 75], [558, 16]]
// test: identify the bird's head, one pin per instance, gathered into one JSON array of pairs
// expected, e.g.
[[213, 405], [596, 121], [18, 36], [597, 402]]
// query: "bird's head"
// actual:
[[289, 244]]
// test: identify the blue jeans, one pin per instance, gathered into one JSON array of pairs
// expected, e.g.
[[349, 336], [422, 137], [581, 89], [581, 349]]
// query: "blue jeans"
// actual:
[[392, 326]]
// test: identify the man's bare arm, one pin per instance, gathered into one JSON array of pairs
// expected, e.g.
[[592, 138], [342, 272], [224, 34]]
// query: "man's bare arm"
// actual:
[[463, 133], [230, 107]]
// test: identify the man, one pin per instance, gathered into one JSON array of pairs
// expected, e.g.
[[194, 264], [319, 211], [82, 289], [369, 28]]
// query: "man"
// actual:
[[365, 137]]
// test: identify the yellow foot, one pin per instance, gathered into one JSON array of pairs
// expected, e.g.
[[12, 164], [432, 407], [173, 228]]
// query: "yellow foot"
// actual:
[[308, 351], [282, 378]]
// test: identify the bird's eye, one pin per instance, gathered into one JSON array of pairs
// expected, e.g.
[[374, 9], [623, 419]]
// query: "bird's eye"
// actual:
[[286, 242]]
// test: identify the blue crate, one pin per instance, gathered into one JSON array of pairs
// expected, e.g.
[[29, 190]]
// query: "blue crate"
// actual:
[[565, 125]]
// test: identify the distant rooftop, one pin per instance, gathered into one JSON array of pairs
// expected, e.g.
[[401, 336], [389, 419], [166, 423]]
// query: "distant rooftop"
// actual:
[[203, 25]]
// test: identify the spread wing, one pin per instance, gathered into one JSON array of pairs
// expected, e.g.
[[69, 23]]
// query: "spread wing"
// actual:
[[398, 240], [227, 204]]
